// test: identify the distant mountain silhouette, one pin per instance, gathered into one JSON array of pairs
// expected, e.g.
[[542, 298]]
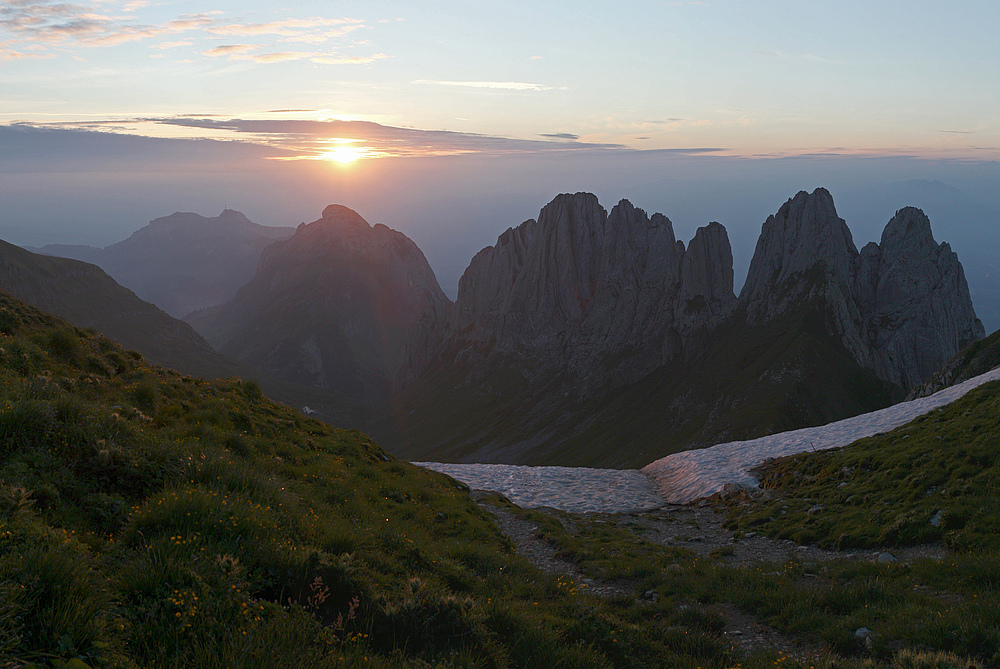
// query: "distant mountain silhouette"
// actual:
[[183, 262], [589, 337]]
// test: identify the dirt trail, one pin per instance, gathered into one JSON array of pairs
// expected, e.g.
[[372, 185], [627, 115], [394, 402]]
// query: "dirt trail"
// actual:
[[698, 528]]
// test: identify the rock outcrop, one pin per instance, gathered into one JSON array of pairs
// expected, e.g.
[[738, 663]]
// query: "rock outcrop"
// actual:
[[331, 306], [901, 307], [915, 296], [578, 287], [598, 339]]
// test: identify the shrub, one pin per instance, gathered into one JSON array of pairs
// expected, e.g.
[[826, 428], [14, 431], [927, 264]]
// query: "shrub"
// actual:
[[64, 343], [24, 424]]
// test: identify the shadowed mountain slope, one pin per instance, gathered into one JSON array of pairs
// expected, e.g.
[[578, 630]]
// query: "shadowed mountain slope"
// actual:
[[87, 297], [329, 307]]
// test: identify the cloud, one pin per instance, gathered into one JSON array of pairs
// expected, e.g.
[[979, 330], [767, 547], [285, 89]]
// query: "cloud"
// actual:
[[229, 50], [44, 22], [172, 45], [290, 27], [560, 135], [501, 85], [12, 54], [53, 25], [312, 138], [244, 52]]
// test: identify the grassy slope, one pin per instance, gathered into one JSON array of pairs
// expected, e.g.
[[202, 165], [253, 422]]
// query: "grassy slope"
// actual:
[[151, 519], [885, 490], [977, 358], [879, 493], [749, 382]]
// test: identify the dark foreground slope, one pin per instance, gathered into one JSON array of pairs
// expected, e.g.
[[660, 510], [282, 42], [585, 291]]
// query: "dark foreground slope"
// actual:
[[87, 297], [149, 519]]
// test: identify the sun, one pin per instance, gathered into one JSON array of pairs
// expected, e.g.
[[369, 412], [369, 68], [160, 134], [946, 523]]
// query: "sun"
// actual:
[[343, 154]]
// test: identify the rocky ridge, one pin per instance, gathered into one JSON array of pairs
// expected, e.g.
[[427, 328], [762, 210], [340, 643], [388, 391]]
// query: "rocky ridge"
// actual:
[[902, 306], [577, 287], [580, 320]]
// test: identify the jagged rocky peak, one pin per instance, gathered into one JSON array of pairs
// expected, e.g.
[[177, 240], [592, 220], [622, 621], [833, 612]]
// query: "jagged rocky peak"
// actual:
[[901, 307], [908, 230], [580, 285], [707, 272], [917, 300], [557, 281], [805, 236]]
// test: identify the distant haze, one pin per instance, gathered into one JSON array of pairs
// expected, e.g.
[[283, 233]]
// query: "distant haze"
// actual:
[[75, 187]]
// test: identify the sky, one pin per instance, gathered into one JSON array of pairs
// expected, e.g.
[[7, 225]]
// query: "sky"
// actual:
[[451, 121], [784, 77]]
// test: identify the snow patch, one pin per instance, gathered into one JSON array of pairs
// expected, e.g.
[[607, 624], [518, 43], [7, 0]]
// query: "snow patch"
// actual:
[[574, 489], [684, 477]]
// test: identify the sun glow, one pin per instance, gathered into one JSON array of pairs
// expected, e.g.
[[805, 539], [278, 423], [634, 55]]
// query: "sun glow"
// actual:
[[344, 154]]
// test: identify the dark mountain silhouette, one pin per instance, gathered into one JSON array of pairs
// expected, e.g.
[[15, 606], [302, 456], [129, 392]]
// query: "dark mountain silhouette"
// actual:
[[563, 350], [590, 337], [329, 307]]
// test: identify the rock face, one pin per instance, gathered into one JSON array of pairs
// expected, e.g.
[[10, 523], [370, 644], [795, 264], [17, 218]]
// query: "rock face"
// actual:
[[901, 307], [183, 262], [598, 339], [578, 287], [917, 300], [330, 307]]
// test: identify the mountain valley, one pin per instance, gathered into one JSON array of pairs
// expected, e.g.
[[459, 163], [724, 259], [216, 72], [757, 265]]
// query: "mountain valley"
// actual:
[[583, 337]]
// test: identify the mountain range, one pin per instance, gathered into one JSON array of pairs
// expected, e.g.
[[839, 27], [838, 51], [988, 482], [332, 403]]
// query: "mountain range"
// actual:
[[596, 339], [588, 337]]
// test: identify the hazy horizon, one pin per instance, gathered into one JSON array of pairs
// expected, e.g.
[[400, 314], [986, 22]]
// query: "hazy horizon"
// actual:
[[452, 122]]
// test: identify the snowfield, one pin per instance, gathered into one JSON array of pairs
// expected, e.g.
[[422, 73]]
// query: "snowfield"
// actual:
[[684, 477]]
